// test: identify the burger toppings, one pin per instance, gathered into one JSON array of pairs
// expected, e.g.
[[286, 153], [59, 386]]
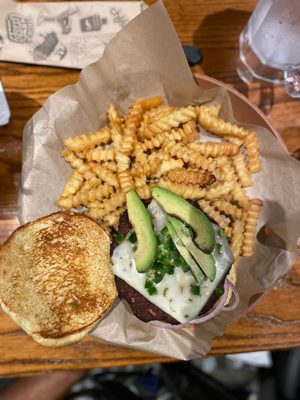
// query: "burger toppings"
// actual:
[[197, 220], [146, 249], [166, 264], [168, 258], [184, 236]]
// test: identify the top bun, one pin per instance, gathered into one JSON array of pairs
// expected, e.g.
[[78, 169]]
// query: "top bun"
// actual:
[[55, 277]]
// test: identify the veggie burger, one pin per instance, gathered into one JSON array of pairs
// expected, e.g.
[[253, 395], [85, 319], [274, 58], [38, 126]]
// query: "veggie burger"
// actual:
[[170, 261]]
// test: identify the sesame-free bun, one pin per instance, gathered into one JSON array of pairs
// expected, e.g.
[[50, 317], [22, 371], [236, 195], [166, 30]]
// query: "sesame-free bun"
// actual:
[[56, 280]]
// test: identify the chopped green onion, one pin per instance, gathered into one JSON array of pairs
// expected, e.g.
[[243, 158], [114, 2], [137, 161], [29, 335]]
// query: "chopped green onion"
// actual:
[[218, 247], [163, 259], [170, 269], [119, 238], [158, 277], [195, 290], [148, 285], [222, 233], [164, 232], [132, 238], [152, 291], [168, 258]]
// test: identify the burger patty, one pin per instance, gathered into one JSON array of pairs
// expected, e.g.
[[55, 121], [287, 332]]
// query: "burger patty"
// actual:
[[140, 305]]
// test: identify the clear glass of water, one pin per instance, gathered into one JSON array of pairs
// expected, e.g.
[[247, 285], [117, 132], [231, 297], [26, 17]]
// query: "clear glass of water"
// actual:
[[270, 45]]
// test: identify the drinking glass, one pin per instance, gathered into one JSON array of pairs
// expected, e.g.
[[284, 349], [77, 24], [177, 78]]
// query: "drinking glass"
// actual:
[[270, 45]]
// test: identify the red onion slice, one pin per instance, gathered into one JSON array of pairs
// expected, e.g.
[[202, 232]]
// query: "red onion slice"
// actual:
[[219, 307], [235, 295]]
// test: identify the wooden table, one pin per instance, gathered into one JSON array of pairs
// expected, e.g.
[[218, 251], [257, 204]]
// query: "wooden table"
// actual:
[[214, 26]]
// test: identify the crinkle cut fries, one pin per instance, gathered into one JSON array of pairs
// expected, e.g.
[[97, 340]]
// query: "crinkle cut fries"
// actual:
[[157, 144]]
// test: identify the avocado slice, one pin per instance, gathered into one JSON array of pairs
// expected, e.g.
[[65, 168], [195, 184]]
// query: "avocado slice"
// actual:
[[205, 261], [173, 204], [196, 271], [145, 253]]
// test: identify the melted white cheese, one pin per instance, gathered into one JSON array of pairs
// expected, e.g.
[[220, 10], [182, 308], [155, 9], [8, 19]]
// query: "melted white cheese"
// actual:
[[158, 215], [174, 294]]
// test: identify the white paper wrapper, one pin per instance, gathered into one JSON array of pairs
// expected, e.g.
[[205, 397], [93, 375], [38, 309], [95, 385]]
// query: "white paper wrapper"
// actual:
[[146, 59], [64, 34]]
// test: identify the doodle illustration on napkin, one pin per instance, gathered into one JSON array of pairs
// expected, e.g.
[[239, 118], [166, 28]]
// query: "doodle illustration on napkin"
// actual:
[[47, 47], [49, 33], [92, 23], [19, 28], [119, 18], [64, 19]]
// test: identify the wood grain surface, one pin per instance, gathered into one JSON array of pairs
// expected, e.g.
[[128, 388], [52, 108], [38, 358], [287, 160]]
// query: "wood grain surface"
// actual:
[[213, 26]]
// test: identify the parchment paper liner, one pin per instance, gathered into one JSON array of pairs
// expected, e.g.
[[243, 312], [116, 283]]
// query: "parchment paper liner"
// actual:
[[146, 59]]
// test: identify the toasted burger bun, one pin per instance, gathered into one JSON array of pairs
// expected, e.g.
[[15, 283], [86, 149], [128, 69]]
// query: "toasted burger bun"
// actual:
[[55, 277]]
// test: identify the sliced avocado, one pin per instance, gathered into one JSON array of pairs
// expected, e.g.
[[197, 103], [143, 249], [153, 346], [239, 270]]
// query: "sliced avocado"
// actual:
[[205, 261], [196, 271], [175, 205], [145, 253]]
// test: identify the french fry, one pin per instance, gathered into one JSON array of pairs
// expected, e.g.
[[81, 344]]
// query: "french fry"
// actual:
[[125, 180], [64, 202], [84, 197], [172, 120], [73, 184], [167, 165], [158, 144], [115, 120], [242, 171], [111, 165], [212, 109], [190, 130], [250, 226], [229, 209], [240, 196], [113, 218], [141, 187], [85, 142], [152, 102], [218, 126], [147, 169], [75, 162], [210, 210], [252, 149], [157, 113], [104, 174], [186, 191], [236, 242], [235, 140], [212, 149], [98, 154], [133, 119], [188, 155], [191, 176], [91, 183], [217, 190]]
